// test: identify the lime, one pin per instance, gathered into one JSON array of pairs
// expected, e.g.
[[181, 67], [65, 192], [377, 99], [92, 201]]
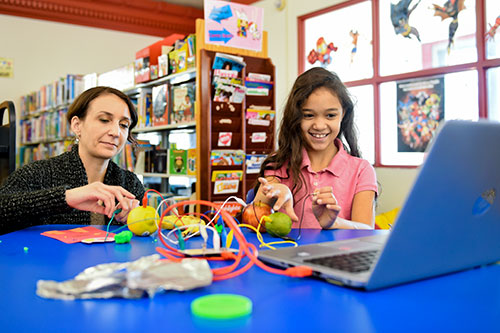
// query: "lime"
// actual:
[[278, 224]]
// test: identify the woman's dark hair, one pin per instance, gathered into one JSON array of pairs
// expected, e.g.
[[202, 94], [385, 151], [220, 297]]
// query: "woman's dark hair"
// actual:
[[80, 106], [291, 141]]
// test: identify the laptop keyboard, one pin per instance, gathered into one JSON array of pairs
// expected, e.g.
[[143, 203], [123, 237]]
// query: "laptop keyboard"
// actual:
[[355, 262]]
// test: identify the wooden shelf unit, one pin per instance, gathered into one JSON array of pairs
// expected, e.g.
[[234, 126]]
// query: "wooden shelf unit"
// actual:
[[207, 116]]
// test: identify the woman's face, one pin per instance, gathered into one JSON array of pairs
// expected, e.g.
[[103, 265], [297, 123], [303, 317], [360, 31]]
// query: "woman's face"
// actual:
[[321, 118], [104, 130]]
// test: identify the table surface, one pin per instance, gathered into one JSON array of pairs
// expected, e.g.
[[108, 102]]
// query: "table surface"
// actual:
[[465, 301]]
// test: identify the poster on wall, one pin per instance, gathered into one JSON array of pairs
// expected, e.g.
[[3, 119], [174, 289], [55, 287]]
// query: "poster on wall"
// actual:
[[420, 108], [233, 25], [6, 67]]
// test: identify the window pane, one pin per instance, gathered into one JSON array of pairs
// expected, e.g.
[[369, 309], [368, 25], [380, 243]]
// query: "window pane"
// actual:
[[409, 110], [493, 76], [492, 26], [400, 54], [341, 41], [364, 120]]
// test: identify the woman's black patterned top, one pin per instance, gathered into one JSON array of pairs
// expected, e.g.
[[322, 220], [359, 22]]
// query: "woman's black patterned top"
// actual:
[[36, 193]]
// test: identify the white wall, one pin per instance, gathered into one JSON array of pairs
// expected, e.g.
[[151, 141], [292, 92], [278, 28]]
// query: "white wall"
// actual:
[[43, 51], [283, 49]]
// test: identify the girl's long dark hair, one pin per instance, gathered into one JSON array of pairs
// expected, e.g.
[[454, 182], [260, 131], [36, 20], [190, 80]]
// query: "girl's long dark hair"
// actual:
[[291, 141]]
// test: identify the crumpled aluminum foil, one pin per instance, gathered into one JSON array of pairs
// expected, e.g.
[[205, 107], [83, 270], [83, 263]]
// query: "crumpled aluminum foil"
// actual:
[[130, 279]]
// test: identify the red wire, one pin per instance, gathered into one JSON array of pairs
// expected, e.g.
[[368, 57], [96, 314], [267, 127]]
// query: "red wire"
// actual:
[[245, 248], [145, 197]]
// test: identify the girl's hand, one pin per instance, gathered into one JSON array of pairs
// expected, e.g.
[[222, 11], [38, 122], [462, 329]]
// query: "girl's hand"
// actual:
[[281, 194], [122, 216], [99, 198], [325, 206]]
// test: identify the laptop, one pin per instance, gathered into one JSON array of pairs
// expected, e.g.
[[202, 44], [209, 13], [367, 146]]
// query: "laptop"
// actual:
[[449, 222]]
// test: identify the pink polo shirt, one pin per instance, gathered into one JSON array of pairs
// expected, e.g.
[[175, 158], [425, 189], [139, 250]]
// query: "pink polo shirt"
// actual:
[[346, 174]]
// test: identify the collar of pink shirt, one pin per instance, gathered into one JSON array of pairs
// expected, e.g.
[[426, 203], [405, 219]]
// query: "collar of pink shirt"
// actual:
[[337, 165]]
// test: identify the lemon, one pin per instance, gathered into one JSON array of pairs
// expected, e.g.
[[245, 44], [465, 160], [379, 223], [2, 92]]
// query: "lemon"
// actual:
[[278, 224], [142, 220]]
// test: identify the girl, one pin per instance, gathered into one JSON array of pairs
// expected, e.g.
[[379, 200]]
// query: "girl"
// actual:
[[317, 173], [82, 185]]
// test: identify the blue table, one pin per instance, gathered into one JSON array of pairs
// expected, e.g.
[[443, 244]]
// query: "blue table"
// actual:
[[463, 302]]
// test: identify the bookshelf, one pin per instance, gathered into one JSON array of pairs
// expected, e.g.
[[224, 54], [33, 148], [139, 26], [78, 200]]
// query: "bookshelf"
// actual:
[[164, 132], [216, 117], [44, 131]]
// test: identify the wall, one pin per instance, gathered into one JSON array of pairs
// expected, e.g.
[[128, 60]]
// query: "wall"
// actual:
[[283, 49], [43, 51]]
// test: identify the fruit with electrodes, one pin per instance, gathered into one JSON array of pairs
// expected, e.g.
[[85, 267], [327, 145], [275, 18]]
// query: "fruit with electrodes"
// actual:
[[278, 224], [254, 212], [142, 220]]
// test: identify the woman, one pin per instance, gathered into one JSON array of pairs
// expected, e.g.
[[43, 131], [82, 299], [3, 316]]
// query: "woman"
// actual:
[[83, 185]]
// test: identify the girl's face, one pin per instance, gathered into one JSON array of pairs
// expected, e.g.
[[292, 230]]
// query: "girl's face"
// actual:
[[321, 118], [104, 130]]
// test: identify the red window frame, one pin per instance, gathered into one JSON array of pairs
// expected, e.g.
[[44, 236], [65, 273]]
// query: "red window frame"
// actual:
[[481, 65]]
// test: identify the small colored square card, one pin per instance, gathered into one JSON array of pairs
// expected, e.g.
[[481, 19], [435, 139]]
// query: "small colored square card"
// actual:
[[81, 234]]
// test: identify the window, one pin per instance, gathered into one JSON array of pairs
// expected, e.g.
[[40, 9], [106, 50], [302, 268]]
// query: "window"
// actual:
[[363, 118], [341, 42], [430, 60], [493, 76]]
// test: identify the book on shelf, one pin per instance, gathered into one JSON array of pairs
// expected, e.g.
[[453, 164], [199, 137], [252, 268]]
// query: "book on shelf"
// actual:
[[184, 54], [28, 154], [183, 103], [226, 181], [259, 77], [144, 108], [226, 73], [228, 91], [125, 159], [177, 161], [251, 91], [52, 95], [160, 164], [227, 157], [160, 105], [258, 84], [228, 62], [191, 162], [47, 126], [260, 117], [254, 162]]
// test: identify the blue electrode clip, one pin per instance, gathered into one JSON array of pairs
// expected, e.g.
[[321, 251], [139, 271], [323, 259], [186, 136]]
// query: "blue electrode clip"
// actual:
[[222, 231]]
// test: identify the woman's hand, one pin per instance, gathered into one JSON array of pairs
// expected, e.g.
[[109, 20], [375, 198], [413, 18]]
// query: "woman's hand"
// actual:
[[100, 198], [325, 206], [123, 215], [280, 194]]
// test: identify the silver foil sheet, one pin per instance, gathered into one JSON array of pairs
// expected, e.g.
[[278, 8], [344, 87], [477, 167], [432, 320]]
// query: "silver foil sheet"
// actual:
[[147, 275]]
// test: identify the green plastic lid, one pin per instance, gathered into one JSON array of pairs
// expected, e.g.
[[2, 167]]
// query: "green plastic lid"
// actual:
[[221, 306]]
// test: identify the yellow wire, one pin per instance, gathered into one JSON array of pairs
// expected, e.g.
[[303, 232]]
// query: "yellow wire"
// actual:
[[261, 239], [284, 242]]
